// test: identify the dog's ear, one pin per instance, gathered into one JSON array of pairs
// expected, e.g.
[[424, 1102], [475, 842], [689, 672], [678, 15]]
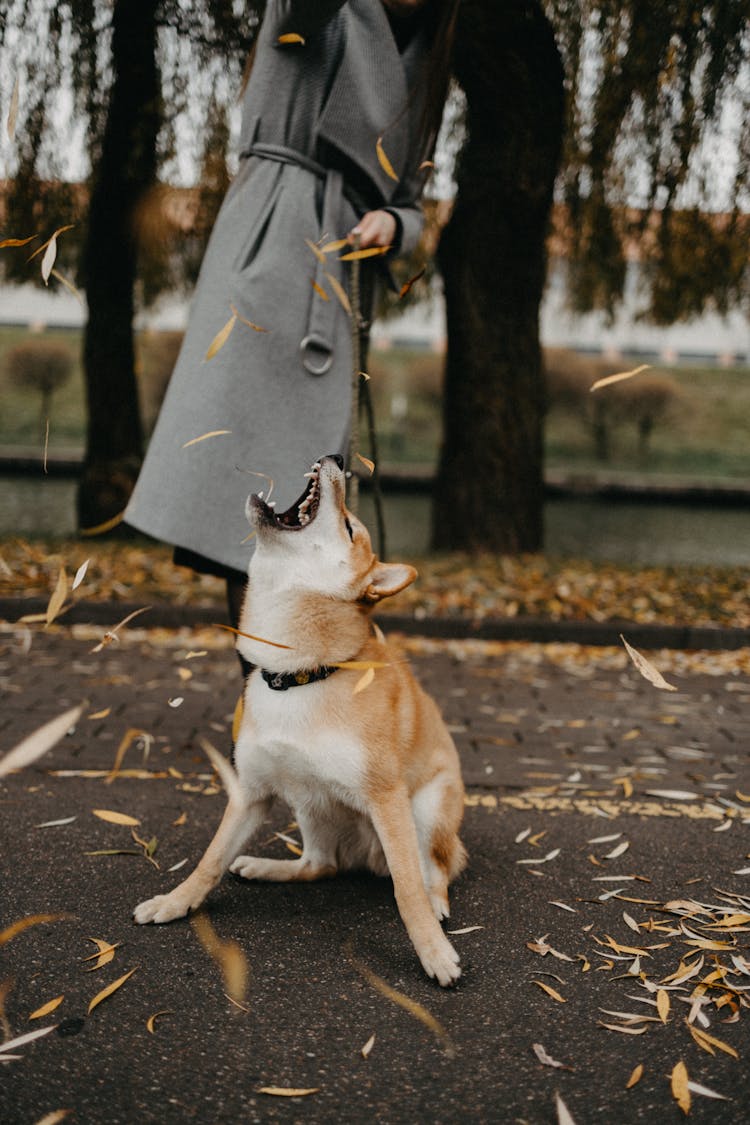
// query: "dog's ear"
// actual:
[[387, 579]]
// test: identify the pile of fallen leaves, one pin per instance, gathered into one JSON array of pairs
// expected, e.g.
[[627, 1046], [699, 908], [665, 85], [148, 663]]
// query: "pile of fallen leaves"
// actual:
[[448, 585]]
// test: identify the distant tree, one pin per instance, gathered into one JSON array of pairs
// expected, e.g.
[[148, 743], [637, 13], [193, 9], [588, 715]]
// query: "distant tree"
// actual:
[[649, 87], [41, 366], [131, 68]]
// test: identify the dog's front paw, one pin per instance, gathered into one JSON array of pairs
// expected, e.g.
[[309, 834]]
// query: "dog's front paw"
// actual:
[[440, 960], [161, 908]]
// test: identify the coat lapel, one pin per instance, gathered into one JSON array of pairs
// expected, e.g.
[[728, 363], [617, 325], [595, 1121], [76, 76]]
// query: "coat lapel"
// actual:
[[372, 78]]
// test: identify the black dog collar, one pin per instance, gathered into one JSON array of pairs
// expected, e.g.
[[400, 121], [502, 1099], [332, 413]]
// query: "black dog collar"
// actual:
[[280, 681]]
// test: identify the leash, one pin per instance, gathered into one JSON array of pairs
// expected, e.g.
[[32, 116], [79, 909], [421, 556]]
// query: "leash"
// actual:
[[361, 396]]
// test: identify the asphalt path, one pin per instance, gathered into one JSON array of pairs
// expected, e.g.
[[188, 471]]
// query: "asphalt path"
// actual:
[[603, 816]]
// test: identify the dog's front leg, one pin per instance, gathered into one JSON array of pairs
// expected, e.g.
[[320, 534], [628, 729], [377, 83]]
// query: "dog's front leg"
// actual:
[[239, 822], [394, 824]]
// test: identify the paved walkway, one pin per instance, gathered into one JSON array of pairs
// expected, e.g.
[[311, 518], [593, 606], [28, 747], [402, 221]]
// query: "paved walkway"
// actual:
[[603, 817]]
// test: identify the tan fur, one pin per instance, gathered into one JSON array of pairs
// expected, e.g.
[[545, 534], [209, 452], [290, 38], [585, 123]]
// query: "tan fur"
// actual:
[[372, 776]]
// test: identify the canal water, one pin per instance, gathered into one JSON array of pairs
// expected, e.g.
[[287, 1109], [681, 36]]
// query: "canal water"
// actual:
[[602, 530]]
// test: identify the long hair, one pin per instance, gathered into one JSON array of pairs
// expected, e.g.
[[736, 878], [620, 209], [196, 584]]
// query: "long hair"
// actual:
[[441, 16]]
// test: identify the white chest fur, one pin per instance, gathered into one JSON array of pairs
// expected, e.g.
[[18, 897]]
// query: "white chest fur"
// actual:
[[294, 744]]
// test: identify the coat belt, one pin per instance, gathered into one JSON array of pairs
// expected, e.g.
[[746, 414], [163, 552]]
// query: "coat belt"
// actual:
[[316, 345]]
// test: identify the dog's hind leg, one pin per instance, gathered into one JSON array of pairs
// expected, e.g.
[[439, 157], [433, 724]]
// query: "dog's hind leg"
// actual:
[[239, 822], [318, 859]]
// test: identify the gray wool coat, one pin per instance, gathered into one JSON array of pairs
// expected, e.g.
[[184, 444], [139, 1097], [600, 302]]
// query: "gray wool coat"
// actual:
[[283, 393]]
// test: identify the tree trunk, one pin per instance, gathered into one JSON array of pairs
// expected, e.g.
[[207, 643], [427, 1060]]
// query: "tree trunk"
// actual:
[[492, 255], [124, 171]]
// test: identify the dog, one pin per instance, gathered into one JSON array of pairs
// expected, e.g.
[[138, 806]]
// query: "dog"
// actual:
[[370, 770]]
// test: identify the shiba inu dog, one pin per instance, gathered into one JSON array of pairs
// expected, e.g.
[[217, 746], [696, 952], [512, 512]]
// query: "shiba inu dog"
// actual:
[[372, 775]]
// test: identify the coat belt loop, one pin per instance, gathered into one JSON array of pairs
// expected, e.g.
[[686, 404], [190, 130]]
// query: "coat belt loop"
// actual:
[[316, 347]]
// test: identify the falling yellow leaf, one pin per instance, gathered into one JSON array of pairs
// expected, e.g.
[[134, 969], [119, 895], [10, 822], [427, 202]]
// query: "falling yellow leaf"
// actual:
[[340, 292], [646, 668], [320, 290], [332, 247], [221, 337], [368, 464], [106, 992], [152, 1019], [364, 681], [368, 1046], [181, 819], [288, 1091], [80, 574], [413, 1007], [103, 528], [383, 160], [662, 1004], [47, 1008], [239, 633], [55, 1117], [111, 634], [48, 260], [100, 714], [210, 434], [608, 379], [249, 323], [59, 594], [17, 241], [22, 924], [227, 954], [679, 1083], [316, 250], [115, 817], [44, 246], [38, 743], [426, 164], [370, 252], [406, 287], [291, 37], [125, 742], [68, 285], [10, 124], [361, 665], [550, 991], [635, 1077]]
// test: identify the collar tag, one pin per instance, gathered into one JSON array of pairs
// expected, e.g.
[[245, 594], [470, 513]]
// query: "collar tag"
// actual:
[[282, 681]]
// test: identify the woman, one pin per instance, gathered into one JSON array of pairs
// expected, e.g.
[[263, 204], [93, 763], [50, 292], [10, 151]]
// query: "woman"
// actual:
[[329, 80]]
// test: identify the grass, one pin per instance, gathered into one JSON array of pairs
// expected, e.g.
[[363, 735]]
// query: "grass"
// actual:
[[704, 437]]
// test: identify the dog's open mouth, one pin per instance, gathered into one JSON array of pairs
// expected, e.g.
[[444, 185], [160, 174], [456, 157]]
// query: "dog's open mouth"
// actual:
[[304, 509]]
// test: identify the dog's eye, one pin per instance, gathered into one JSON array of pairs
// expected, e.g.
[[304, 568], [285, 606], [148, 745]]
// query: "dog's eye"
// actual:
[[350, 529]]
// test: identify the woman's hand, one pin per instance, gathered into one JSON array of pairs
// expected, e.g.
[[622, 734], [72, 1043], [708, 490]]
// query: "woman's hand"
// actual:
[[375, 228]]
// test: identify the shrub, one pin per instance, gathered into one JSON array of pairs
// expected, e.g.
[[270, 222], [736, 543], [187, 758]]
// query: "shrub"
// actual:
[[644, 400], [40, 366]]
